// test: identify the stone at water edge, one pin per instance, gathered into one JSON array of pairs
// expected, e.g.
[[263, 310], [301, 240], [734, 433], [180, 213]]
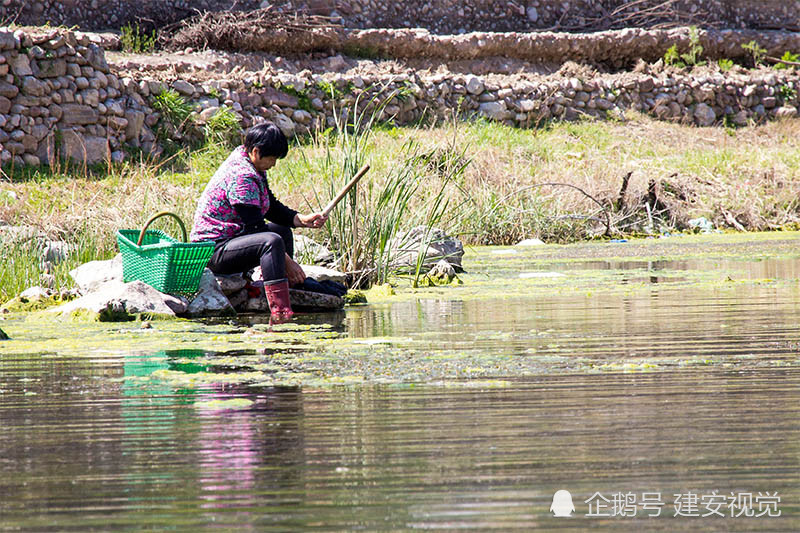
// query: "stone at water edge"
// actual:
[[300, 300], [36, 293], [239, 299], [116, 297], [257, 304], [210, 300], [32, 299], [319, 273], [442, 273], [406, 248], [3, 336], [314, 301]]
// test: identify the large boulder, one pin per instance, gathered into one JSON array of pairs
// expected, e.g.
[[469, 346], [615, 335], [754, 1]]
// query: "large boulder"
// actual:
[[92, 275], [210, 300], [118, 300], [407, 247]]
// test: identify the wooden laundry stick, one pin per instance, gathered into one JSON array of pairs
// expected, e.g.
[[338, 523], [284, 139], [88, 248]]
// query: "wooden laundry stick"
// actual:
[[332, 204]]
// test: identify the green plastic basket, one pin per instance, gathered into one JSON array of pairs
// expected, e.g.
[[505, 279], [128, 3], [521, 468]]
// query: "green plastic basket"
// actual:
[[167, 265]]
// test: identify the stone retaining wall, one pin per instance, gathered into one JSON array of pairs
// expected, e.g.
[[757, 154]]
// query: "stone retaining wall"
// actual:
[[59, 96], [109, 14], [615, 48], [439, 16], [735, 98]]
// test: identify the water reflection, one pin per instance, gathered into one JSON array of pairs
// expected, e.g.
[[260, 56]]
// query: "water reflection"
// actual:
[[403, 458], [759, 268], [102, 443]]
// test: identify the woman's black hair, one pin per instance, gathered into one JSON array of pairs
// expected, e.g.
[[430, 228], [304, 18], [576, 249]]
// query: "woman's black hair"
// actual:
[[268, 138]]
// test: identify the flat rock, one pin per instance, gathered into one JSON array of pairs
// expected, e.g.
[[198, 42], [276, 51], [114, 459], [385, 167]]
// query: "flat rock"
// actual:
[[83, 148], [314, 301], [184, 87], [301, 301], [79, 114], [319, 273], [279, 98]]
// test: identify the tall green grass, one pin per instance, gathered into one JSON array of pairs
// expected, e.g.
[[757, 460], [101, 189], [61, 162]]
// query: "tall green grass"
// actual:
[[23, 264], [367, 226]]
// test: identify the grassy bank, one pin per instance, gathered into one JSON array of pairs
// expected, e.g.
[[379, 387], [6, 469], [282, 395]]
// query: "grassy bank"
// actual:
[[485, 182]]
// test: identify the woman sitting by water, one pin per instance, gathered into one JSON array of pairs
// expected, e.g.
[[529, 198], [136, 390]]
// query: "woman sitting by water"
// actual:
[[232, 212]]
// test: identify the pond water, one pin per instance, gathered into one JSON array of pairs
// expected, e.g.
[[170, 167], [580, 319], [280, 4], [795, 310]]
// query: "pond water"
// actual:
[[642, 384]]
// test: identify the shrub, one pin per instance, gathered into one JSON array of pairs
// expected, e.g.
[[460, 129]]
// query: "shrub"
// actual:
[[725, 64], [787, 56], [173, 107], [134, 40], [756, 52], [223, 127], [788, 92], [689, 59]]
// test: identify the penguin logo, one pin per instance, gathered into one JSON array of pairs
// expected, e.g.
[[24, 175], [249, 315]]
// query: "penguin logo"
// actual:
[[562, 503]]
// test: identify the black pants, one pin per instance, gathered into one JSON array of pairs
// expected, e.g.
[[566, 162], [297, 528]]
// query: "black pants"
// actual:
[[265, 249]]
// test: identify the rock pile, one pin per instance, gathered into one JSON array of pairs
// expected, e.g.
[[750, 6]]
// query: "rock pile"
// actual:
[[58, 97], [704, 99], [102, 292]]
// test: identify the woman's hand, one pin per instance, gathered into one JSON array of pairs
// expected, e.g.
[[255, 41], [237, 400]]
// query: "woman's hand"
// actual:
[[294, 272], [312, 220]]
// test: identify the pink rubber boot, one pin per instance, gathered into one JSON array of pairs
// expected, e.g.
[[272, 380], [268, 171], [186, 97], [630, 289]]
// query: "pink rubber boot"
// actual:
[[278, 298]]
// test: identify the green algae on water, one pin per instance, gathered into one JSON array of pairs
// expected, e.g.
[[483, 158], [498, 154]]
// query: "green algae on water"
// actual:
[[496, 326], [222, 405]]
